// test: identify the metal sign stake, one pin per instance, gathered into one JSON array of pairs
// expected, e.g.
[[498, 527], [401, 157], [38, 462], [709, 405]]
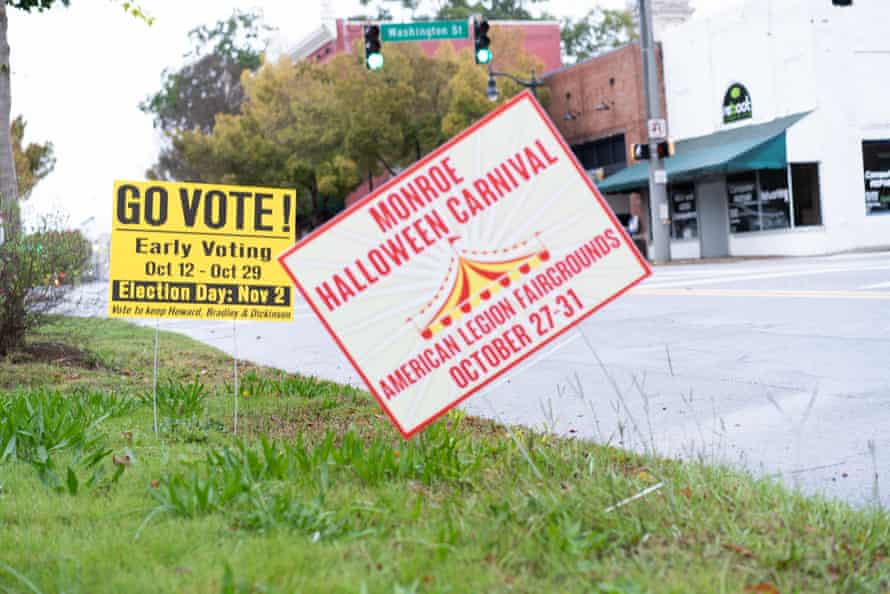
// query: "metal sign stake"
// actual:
[[235, 356], [154, 400]]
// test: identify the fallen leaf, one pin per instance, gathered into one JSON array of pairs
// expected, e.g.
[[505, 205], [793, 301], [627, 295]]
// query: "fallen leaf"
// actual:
[[762, 588], [740, 550], [687, 492], [128, 435], [126, 372], [121, 460], [155, 484]]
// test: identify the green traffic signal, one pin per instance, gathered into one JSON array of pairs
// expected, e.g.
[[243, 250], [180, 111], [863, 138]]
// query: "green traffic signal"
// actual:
[[373, 48], [482, 42], [374, 61]]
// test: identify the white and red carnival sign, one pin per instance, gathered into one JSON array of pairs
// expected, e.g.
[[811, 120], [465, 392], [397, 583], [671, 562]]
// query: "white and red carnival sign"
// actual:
[[456, 271]]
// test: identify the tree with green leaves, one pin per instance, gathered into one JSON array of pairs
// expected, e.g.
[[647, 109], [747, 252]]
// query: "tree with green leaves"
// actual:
[[208, 84], [600, 30], [324, 127], [25, 260]]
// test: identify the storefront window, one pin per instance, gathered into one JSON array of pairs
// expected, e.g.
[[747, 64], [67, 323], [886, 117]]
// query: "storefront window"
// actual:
[[805, 194], [759, 201], [610, 154], [744, 212], [684, 216], [876, 161], [775, 206]]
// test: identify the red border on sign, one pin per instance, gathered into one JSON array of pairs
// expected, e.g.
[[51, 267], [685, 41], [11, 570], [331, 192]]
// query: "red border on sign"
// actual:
[[524, 96]]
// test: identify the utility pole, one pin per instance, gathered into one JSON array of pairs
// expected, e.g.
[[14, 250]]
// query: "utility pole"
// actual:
[[658, 204]]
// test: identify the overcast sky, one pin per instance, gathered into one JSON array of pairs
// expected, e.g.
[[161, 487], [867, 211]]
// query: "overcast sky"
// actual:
[[79, 73]]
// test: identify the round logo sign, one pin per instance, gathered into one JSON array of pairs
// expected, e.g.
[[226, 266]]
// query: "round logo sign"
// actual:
[[737, 104]]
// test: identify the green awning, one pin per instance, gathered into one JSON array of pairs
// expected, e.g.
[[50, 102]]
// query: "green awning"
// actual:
[[740, 149]]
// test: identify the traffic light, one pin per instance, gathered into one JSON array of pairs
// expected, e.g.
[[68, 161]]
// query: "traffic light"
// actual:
[[373, 53], [480, 35], [641, 152]]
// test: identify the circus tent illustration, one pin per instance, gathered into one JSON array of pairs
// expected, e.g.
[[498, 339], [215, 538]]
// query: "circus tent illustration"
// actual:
[[480, 275]]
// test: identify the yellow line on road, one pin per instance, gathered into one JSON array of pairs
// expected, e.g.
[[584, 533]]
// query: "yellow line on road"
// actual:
[[768, 293]]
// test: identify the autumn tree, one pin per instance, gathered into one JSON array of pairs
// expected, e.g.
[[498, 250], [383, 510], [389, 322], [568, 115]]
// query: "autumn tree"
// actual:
[[325, 127], [33, 161], [209, 83]]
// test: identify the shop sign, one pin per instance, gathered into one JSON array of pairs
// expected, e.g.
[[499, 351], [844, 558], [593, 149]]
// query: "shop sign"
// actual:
[[737, 104], [472, 260], [200, 251]]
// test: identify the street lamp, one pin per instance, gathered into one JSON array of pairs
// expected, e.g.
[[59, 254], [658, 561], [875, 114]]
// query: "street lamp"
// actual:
[[492, 90]]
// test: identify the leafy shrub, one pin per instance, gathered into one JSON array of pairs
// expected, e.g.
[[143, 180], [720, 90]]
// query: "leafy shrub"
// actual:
[[35, 272]]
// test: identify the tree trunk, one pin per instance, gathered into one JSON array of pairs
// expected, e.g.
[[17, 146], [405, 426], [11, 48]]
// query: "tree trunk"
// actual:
[[8, 184], [12, 297]]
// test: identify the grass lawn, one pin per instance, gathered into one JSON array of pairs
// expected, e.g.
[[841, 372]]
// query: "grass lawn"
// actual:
[[318, 494]]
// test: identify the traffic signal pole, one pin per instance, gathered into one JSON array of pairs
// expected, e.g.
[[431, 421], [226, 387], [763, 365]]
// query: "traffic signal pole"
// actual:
[[658, 204]]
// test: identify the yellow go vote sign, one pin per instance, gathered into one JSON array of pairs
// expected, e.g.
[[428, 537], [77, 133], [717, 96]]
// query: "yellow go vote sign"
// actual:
[[200, 251]]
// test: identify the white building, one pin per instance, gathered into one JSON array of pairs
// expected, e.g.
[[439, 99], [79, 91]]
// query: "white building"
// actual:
[[665, 14], [781, 113]]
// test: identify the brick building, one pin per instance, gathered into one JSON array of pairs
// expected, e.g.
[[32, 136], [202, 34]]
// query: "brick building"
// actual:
[[599, 106]]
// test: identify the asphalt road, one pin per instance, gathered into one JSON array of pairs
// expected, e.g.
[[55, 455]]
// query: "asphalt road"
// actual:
[[781, 366]]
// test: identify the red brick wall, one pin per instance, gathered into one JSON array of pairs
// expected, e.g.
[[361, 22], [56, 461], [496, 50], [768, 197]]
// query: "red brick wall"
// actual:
[[614, 78]]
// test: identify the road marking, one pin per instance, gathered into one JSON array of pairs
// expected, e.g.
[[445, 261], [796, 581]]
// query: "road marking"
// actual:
[[680, 292], [851, 262], [768, 275], [876, 286]]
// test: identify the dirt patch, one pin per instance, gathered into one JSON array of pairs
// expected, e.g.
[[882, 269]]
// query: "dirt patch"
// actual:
[[56, 354]]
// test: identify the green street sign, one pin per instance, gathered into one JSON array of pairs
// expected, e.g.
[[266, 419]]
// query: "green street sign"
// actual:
[[424, 31]]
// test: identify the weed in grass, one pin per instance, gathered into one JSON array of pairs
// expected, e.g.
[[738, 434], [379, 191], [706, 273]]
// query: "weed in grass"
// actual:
[[179, 404], [229, 584], [36, 426], [262, 486], [253, 385]]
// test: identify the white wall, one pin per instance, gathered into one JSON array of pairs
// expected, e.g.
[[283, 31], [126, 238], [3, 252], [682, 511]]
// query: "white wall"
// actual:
[[794, 56], [685, 250], [853, 57], [767, 45]]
